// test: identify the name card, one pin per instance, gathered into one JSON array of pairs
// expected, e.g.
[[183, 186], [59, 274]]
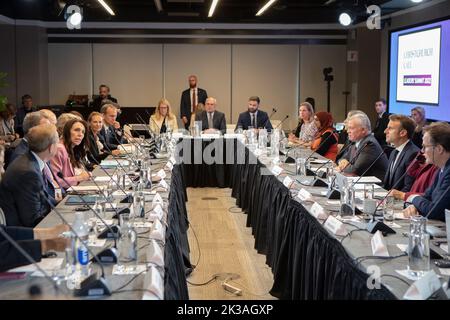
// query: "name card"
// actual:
[[424, 287], [155, 254], [276, 160], [304, 195], [164, 184], [277, 170], [288, 182], [335, 226], [379, 247], [318, 211], [157, 199], [161, 173], [156, 214], [158, 231], [169, 166], [172, 160], [257, 152]]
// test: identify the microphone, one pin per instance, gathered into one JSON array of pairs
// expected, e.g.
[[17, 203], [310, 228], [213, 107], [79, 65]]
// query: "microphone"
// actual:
[[150, 117], [319, 182], [287, 116], [90, 286], [29, 258], [353, 160], [108, 255], [274, 110]]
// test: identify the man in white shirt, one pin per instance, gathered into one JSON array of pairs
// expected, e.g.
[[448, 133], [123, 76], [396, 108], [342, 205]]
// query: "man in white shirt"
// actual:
[[398, 133], [190, 98]]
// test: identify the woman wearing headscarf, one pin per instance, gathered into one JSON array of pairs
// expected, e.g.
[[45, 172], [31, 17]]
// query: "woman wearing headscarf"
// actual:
[[325, 142]]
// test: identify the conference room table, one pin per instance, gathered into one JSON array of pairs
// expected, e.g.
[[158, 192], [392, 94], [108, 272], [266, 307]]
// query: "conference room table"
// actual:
[[307, 260], [156, 281]]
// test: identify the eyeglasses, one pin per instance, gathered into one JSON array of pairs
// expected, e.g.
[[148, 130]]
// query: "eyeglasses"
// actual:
[[428, 146]]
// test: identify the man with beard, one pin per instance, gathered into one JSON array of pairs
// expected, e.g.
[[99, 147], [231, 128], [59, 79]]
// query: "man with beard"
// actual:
[[189, 100], [254, 117]]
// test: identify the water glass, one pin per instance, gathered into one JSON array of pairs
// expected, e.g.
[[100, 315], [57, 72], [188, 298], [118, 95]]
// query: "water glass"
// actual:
[[388, 209], [418, 247], [300, 166]]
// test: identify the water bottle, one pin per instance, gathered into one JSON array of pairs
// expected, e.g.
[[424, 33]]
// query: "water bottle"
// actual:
[[418, 247], [81, 228], [348, 199], [71, 264], [262, 139], [127, 241]]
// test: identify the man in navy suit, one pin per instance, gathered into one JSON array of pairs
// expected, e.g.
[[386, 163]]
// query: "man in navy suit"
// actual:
[[26, 188], [398, 133], [382, 121], [111, 135], [254, 117], [189, 100], [31, 120], [436, 148], [212, 120]]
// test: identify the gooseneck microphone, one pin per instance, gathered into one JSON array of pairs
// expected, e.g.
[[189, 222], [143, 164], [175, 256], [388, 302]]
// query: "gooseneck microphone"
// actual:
[[108, 255], [274, 110], [370, 166], [90, 286], [281, 122]]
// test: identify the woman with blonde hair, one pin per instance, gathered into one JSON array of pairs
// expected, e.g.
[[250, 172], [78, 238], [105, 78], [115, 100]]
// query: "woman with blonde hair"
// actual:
[[418, 115], [163, 119]]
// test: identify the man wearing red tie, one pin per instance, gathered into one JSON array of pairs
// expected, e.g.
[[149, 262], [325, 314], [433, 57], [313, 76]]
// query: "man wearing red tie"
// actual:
[[189, 100]]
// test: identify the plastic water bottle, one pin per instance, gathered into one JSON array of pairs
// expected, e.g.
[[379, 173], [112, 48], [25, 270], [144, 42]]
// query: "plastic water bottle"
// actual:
[[81, 228]]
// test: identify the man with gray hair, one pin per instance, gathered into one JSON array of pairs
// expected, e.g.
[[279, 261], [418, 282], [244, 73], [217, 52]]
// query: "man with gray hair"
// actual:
[[31, 120], [212, 120], [364, 150], [26, 188]]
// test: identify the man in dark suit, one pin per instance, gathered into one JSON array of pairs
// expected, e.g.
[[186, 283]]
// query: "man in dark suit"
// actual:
[[254, 117], [31, 120], [398, 133], [212, 120], [26, 188], [27, 107], [189, 100], [111, 135], [436, 148], [35, 242], [361, 155], [103, 94], [382, 121]]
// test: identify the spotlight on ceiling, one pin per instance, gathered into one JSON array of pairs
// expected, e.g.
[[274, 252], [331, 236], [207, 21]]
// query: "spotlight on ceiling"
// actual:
[[73, 16], [416, 1], [345, 19]]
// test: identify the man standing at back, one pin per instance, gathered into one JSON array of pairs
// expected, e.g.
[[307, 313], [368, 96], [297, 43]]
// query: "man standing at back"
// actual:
[[382, 121], [189, 100]]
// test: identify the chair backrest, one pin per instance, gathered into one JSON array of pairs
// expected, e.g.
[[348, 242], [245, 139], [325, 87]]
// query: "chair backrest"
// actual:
[[2, 218]]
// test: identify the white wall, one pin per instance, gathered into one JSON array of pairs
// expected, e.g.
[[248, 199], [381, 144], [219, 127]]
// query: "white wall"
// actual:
[[140, 74]]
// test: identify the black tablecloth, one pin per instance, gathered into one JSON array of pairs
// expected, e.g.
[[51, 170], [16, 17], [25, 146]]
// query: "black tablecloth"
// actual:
[[307, 263], [176, 250]]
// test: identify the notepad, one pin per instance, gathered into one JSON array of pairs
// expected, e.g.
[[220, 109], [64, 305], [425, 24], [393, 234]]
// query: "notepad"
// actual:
[[76, 200]]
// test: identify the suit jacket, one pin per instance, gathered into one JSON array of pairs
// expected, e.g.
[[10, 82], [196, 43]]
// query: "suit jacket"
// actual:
[[393, 175], [94, 154], [20, 116], [111, 139], [262, 120], [97, 103], [364, 158], [22, 148], [380, 126], [185, 104], [61, 163], [20, 193], [434, 193], [218, 121], [9, 256]]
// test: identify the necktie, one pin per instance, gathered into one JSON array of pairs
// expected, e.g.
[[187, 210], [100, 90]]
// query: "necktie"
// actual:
[[194, 100], [352, 152], [210, 121], [48, 184], [253, 121], [391, 170]]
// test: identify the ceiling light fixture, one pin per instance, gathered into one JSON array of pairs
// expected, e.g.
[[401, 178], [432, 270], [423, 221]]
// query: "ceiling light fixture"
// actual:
[[107, 8], [416, 1], [265, 7], [158, 5], [345, 19], [213, 7]]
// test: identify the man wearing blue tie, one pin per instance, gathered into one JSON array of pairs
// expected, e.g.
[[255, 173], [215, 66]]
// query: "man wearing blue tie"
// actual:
[[436, 148], [254, 117]]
